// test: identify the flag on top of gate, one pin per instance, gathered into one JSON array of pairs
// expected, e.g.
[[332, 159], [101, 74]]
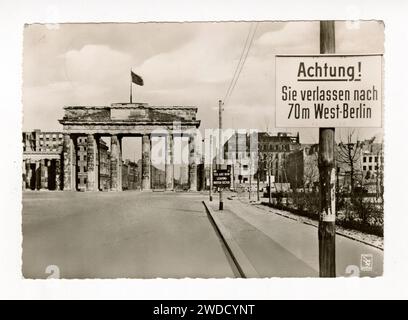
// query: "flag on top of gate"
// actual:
[[136, 79]]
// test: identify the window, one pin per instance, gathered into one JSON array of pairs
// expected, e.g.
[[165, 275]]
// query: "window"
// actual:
[[370, 159], [364, 168], [85, 180], [370, 168], [364, 159], [245, 167], [376, 159]]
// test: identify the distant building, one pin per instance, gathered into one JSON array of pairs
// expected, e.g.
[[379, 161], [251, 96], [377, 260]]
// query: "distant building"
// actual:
[[43, 166], [38, 141], [42, 160], [302, 167], [368, 166], [131, 175], [82, 164], [273, 151], [372, 165], [268, 155]]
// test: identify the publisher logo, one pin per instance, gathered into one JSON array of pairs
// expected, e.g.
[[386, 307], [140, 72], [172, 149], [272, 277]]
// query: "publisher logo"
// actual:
[[366, 262]]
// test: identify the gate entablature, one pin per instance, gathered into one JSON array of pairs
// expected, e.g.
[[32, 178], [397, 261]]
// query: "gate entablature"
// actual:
[[127, 118]]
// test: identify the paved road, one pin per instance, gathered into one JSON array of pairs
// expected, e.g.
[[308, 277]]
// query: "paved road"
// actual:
[[128, 234], [280, 247]]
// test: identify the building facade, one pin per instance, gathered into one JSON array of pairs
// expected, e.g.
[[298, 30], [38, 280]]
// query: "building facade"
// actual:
[[131, 175], [360, 163], [82, 164], [302, 167], [42, 160], [372, 166], [264, 154], [273, 153], [43, 165]]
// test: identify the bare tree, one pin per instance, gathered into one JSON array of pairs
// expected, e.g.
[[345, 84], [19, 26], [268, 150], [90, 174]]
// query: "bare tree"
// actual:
[[266, 161], [349, 153], [311, 170]]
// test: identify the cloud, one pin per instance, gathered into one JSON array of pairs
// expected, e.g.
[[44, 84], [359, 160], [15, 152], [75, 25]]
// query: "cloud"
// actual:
[[97, 65], [349, 40], [181, 64]]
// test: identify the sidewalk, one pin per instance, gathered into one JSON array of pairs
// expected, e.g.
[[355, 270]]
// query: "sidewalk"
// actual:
[[280, 247]]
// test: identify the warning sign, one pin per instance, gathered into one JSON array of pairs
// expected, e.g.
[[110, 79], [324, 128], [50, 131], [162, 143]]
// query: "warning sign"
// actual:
[[328, 91], [221, 178]]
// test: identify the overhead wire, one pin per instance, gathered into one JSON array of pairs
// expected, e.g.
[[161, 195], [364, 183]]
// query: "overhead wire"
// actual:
[[241, 62]]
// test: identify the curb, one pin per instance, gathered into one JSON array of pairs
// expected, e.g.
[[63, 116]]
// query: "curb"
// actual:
[[244, 266]]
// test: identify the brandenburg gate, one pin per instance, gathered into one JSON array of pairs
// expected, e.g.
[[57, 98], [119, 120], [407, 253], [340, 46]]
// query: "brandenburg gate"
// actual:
[[127, 120]]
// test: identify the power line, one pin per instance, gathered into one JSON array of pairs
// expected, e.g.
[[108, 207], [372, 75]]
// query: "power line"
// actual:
[[241, 66], [239, 62]]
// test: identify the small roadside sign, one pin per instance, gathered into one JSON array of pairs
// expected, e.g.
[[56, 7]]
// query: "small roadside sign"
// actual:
[[221, 178]]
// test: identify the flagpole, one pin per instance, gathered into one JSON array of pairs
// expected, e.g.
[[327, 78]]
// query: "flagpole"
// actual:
[[130, 85]]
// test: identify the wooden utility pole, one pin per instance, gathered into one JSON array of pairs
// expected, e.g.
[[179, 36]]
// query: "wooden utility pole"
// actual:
[[327, 217], [211, 168], [220, 151], [257, 181], [250, 180], [269, 182]]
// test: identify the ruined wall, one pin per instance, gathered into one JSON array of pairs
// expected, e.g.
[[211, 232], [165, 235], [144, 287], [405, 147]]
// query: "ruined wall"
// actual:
[[130, 113], [154, 114], [87, 113]]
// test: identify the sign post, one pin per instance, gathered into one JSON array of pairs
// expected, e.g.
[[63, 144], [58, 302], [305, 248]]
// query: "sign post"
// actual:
[[326, 91], [211, 168], [222, 178], [220, 150], [327, 177]]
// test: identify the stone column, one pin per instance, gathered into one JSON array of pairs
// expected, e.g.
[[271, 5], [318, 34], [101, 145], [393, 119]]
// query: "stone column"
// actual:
[[58, 176], [24, 174], [73, 162], [70, 161], [169, 166], [44, 174], [37, 175], [192, 163], [92, 158], [116, 163], [28, 174], [146, 162], [66, 158]]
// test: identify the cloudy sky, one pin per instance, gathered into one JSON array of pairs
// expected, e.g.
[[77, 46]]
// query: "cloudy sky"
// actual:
[[181, 64]]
